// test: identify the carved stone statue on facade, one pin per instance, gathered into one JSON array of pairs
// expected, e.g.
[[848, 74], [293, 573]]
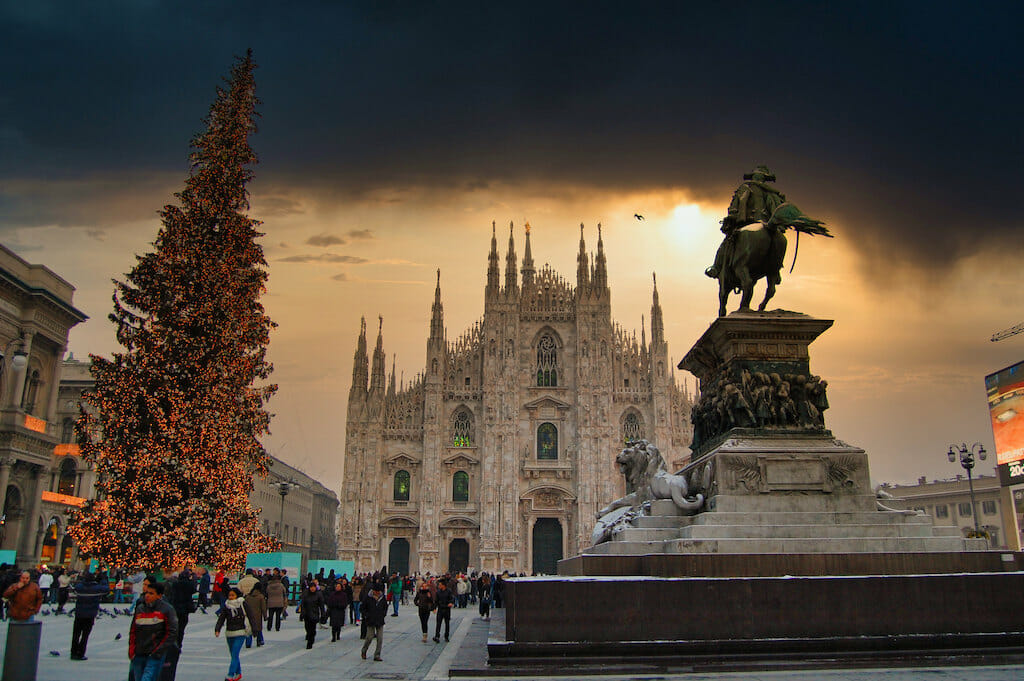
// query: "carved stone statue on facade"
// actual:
[[747, 253], [647, 478]]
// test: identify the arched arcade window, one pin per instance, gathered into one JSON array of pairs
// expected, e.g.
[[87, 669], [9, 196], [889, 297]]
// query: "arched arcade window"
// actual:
[[460, 486], [547, 441], [547, 362], [402, 486], [66, 481]]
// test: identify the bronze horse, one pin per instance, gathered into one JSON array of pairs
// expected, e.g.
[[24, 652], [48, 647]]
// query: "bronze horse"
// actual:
[[757, 253]]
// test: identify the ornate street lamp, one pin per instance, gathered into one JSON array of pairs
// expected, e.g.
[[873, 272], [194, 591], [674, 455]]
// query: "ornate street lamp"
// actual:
[[967, 455], [283, 488]]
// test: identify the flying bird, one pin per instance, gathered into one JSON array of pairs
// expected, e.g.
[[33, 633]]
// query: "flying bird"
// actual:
[[638, 216]]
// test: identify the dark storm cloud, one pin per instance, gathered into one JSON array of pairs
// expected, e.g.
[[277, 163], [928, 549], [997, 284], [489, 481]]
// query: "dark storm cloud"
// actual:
[[325, 258], [324, 240], [899, 121]]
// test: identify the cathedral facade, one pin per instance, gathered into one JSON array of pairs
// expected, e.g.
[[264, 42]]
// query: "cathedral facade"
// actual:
[[499, 454]]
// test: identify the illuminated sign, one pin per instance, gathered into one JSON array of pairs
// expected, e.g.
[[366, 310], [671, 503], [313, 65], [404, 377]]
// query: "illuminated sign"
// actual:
[[65, 499], [65, 450], [1005, 389], [32, 423]]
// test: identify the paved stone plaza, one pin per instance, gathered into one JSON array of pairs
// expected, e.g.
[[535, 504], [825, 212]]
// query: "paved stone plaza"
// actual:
[[285, 657]]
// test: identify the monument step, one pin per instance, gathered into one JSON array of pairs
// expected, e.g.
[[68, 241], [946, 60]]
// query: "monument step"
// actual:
[[776, 503], [830, 545], [797, 518], [665, 507], [791, 531], [775, 546]]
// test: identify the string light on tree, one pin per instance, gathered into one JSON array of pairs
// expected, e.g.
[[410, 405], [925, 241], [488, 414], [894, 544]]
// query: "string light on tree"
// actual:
[[180, 410]]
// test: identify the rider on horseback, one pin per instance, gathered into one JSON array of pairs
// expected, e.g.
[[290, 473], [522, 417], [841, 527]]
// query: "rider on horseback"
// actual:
[[753, 201]]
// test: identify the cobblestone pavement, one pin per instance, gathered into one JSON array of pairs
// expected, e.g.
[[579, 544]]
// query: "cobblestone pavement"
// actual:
[[406, 657], [283, 658]]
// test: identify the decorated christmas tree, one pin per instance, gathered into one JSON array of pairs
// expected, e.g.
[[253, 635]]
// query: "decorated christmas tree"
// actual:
[[178, 413]]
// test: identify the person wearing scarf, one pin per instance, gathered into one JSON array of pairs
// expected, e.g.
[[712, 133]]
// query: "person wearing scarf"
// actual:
[[236, 616]]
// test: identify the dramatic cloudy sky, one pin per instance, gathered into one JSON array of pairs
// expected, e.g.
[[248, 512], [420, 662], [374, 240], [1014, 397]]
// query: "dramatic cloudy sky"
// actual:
[[393, 134]]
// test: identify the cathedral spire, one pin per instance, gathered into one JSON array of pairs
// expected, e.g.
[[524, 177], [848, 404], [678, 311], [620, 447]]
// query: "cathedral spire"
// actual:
[[437, 318], [657, 321], [492, 264], [643, 333], [377, 373], [360, 365], [582, 269], [511, 278], [391, 380], [527, 261], [601, 265]]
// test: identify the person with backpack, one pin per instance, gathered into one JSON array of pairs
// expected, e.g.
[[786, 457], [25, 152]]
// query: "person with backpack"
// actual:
[[236, 619]]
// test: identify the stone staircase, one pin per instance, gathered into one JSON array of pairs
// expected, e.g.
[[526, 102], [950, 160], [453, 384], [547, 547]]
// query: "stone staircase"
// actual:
[[770, 524]]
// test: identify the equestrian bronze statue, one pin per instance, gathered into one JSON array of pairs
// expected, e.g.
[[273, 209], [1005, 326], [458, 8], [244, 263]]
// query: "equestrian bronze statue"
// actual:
[[755, 243]]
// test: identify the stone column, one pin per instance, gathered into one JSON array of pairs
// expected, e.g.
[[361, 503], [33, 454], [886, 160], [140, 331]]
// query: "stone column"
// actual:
[[6, 463], [18, 377], [29, 530], [50, 412]]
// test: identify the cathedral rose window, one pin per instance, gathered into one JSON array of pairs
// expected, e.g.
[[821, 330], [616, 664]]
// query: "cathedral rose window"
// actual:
[[547, 362], [547, 441]]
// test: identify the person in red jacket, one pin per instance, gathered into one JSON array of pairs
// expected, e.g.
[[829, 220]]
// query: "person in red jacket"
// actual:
[[153, 633]]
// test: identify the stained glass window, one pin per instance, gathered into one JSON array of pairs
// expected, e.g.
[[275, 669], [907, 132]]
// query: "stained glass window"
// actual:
[[547, 441], [460, 486], [402, 486], [462, 429], [547, 362], [632, 427]]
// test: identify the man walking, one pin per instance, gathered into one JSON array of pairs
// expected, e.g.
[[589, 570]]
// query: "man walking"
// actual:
[[374, 611], [444, 601], [87, 606], [180, 597], [153, 632]]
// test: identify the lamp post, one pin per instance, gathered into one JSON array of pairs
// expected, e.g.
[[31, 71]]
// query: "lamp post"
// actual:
[[283, 488], [967, 455]]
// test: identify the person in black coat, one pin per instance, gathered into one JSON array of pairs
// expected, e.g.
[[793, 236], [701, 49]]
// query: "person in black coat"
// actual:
[[374, 610], [180, 598], [87, 606], [337, 606], [311, 611], [444, 599]]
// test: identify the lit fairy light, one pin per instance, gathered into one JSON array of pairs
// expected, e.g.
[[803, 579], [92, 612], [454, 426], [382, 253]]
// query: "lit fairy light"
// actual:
[[178, 414]]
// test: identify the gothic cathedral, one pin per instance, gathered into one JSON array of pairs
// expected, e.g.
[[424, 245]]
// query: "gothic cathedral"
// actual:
[[499, 454]]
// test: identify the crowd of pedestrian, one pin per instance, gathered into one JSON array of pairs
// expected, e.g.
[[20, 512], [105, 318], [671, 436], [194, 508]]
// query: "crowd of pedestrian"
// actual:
[[258, 602]]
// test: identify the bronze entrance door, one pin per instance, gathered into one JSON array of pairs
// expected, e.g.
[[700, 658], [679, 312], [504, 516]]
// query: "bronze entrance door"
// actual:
[[398, 556], [547, 546], [458, 555]]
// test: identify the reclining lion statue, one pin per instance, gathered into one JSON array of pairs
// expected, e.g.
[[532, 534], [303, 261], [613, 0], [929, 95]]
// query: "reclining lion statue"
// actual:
[[647, 478]]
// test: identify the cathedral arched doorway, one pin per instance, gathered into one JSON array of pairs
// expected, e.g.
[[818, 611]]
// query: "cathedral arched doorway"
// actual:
[[547, 546], [398, 556], [458, 555]]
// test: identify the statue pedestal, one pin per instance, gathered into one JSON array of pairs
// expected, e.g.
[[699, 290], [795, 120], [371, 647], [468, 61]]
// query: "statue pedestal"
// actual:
[[788, 561], [755, 375]]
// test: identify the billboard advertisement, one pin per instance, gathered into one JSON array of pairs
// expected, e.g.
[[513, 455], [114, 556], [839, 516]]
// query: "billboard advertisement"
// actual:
[[1005, 389]]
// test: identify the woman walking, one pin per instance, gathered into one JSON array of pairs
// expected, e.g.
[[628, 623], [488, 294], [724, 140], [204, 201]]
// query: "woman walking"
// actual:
[[425, 602], [235, 615], [257, 604], [276, 602], [483, 589], [337, 606], [311, 611]]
